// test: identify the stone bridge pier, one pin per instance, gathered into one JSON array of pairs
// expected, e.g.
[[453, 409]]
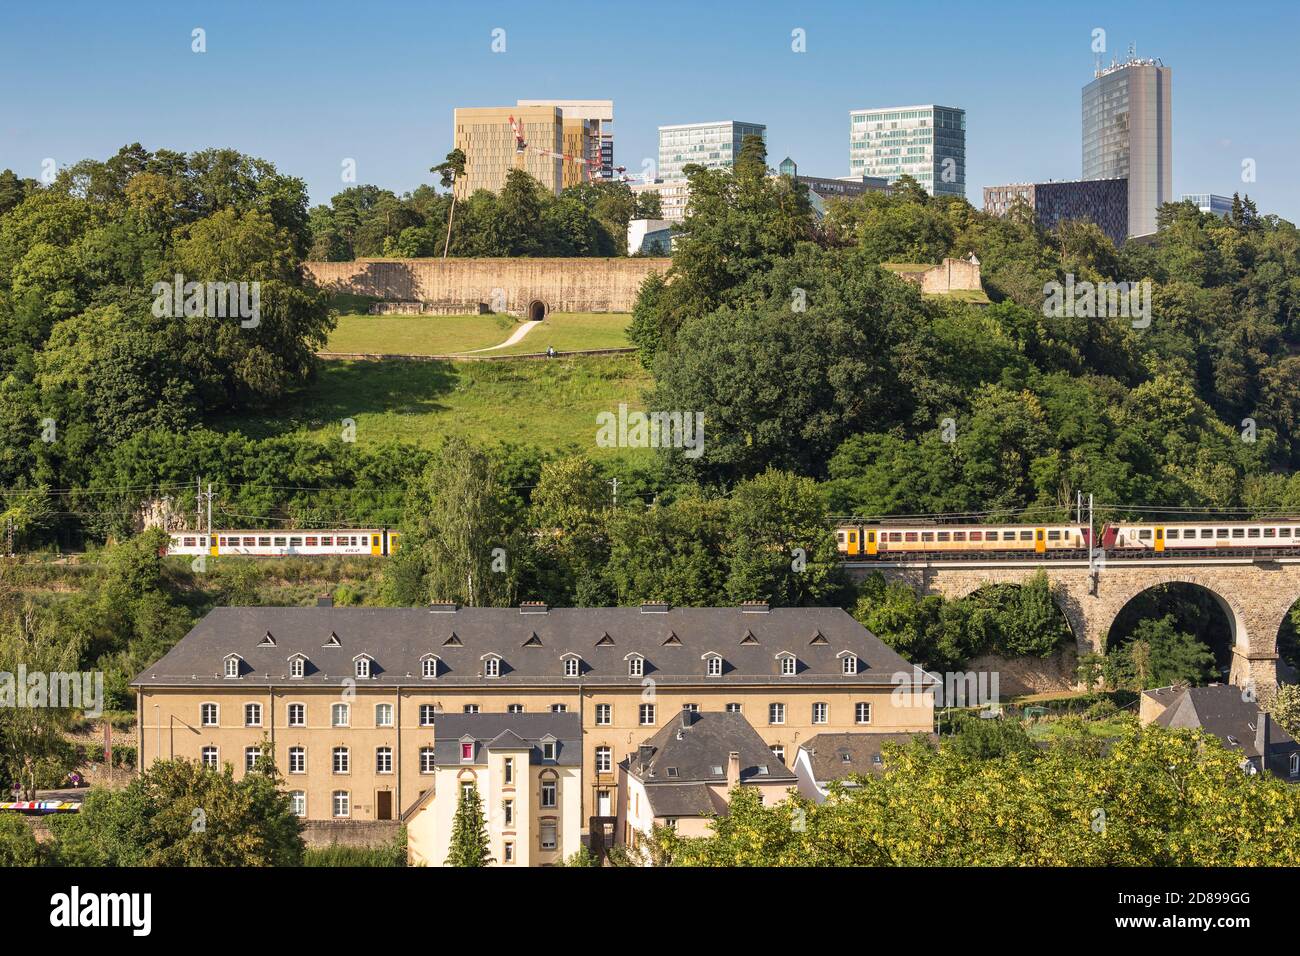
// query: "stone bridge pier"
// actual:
[[1255, 597]]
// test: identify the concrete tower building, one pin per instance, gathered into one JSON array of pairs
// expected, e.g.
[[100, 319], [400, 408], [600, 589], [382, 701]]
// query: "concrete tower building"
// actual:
[[1126, 133]]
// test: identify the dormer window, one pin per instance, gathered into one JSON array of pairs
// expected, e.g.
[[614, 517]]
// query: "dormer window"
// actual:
[[713, 665], [362, 665], [635, 665], [467, 750], [491, 665], [233, 663], [548, 749], [787, 663], [297, 666], [572, 665], [429, 667], [848, 662]]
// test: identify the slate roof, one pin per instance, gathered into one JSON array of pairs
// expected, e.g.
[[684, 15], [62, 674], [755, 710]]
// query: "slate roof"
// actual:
[[835, 756], [508, 731], [697, 752], [530, 644], [680, 800], [1220, 709]]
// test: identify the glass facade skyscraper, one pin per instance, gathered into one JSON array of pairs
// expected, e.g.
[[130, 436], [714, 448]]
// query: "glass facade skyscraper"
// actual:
[[711, 145], [1126, 133], [927, 143]]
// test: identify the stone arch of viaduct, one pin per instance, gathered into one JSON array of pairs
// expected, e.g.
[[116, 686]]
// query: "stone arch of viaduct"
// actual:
[[1255, 598]]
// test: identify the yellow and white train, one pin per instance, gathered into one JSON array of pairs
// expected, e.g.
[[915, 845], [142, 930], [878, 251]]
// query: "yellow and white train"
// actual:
[[878, 540], [377, 542]]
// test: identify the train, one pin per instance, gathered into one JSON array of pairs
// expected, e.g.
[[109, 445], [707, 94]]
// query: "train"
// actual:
[[376, 542], [863, 541]]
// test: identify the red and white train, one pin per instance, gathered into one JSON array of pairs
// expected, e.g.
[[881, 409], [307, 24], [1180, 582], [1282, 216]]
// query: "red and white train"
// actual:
[[859, 541], [377, 542]]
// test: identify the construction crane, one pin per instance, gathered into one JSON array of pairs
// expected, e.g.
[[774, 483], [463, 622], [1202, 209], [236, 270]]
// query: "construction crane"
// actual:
[[522, 147]]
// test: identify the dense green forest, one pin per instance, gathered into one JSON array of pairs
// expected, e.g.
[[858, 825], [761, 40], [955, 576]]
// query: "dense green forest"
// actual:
[[823, 379]]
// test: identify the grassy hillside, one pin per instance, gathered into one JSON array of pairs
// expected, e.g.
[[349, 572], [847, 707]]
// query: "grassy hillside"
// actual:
[[548, 403]]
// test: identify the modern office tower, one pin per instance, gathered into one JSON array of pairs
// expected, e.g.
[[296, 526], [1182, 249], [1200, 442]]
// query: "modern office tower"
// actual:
[[1126, 133], [1102, 201], [674, 196], [597, 112], [1210, 202], [711, 145], [497, 139], [927, 143]]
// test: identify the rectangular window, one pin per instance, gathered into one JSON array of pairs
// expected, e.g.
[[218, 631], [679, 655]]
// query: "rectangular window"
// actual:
[[849, 664], [508, 813], [426, 760], [383, 715], [297, 759], [508, 851], [209, 756], [299, 803], [715, 667], [604, 760], [570, 667], [787, 666], [470, 709], [467, 751], [559, 708], [342, 803], [250, 757], [635, 667], [647, 715], [426, 715], [548, 750], [776, 713], [548, 793], [548, 835], [208, 715], [514, 708], [297, 715], [339, 715], [778, 752], [733, 708], [604, 715], [862, 713], [384, 760], [820, 713], [342, 760], [492, 667], [509, 766]]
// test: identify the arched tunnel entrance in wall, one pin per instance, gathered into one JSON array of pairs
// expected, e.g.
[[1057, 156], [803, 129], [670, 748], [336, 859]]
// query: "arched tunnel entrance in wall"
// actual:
[[1159, 616], [537, 310]]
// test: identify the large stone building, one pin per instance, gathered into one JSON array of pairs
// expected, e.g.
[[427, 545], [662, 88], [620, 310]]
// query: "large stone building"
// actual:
[[1100, 201], [352, 701], [1127, 135]]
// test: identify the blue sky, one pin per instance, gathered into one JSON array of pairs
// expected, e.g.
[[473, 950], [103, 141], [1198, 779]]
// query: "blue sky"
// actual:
[[309, 85]]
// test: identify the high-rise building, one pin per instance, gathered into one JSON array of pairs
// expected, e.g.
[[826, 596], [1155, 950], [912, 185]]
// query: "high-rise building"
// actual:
[[1126, 133], [1210, 202], [599, 115], [711, 145], [1101, 201], [497, 139], [927, 143]]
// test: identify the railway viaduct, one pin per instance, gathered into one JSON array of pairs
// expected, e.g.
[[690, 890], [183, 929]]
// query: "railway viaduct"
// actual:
[[1255, 595]]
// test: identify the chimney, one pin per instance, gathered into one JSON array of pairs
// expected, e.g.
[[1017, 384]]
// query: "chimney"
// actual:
[[534, 607], [688, 717], [645, 753], [755, 607], [324, 600], [1261, 738], [733, 769]]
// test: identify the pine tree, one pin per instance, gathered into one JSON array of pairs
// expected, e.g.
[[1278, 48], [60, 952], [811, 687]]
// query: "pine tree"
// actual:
[[469, 839]]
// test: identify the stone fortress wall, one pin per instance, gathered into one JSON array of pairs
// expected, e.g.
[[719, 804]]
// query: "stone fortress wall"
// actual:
[[516, 286]]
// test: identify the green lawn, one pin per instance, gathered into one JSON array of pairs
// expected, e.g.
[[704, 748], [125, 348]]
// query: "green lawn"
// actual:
[[450, 334], [574, 331], [419, 334], [548, 403]]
